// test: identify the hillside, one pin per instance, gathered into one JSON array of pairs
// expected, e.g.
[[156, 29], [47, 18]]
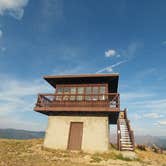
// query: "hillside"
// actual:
[[20, 134], [31, 153], [24, 134]]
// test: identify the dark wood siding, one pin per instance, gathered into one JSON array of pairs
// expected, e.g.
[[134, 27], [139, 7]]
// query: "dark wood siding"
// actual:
[[75, 136]]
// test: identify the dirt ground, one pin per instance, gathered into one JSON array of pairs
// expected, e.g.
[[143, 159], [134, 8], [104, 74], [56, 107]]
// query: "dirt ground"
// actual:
[[31, 153]]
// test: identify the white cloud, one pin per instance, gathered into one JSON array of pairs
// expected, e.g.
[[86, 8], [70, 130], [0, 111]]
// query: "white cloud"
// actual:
[[136, 116], [19, 123], [15, 8], [110, 53], [135, 96], [18, 95], [162, 123], [152, 115], [110, 68], [1, 33]]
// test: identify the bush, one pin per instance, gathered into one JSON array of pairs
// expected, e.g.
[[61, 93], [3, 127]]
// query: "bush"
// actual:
[[141, 147]]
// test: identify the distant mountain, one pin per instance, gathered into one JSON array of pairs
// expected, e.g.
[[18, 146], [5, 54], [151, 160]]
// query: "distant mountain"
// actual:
[[149, 140], [24, 134], [20, 134], [145, 139]]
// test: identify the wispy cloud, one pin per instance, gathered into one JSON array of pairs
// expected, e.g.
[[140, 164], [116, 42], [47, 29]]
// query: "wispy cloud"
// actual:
[[162, 123], [164, 42], [73, 70], [111, 67], [135, 96], [131, 50], [146, 73], [15, 8], [20, 123], [153, 115], [126, 55], [18, 95], [1, 33]]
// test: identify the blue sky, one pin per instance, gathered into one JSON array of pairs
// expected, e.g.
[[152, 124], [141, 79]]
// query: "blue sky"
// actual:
[[47, 37]]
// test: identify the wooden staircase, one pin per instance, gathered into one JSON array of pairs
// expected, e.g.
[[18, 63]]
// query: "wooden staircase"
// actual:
[[125, 134]]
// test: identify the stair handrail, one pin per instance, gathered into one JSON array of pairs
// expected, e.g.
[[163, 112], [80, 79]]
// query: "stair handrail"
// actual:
[[131, 133], [118, 135]]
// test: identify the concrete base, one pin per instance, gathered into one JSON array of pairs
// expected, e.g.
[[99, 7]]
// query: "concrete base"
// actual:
[[95, 132]]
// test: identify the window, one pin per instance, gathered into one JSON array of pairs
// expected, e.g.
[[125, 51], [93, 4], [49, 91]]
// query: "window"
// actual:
[[66, 91], [88, 92], [95, 91], [72, 91], [80, 90], [59, 91], [102, 90]]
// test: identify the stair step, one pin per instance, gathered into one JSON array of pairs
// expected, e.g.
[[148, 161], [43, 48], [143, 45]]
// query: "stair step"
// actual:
[[127, 149], [127, 140], [126, 145]]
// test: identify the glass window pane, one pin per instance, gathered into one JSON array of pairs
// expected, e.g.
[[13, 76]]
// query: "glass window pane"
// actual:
[[88, 90], [80, 90], [59, 90], [94, 97], [95, 90], [102, 90], [80, 98], [66, 90], [102, 97], [73, 90]]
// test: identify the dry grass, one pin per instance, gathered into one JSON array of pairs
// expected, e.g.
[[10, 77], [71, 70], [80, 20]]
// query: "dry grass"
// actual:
[[31, 153]]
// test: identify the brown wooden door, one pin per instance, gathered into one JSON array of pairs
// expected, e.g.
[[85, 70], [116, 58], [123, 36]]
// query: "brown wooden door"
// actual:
[[75, 136]]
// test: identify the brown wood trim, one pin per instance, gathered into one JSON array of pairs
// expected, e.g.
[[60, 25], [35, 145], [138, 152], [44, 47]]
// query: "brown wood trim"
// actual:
[[79, 85], [82, 75], [76, 109]]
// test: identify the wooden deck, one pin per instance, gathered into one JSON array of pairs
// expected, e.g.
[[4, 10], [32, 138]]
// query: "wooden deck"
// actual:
[[108, 102]]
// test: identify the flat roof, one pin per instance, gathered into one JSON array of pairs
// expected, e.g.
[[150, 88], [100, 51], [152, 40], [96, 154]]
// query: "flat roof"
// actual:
[[111, 79]]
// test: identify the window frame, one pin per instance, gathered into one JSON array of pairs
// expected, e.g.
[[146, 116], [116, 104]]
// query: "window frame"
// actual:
[[92, 97]]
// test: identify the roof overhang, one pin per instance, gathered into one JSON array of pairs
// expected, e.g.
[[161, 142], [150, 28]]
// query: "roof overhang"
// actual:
[[111, 79]]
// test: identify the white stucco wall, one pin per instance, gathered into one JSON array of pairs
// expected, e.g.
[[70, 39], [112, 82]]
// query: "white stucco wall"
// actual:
[[95, 132]]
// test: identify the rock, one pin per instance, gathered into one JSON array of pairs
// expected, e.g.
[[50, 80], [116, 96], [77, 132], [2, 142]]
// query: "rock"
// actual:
[[130, 155]]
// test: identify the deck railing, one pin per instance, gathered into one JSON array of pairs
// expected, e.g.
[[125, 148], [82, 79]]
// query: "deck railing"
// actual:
[[79, 100]]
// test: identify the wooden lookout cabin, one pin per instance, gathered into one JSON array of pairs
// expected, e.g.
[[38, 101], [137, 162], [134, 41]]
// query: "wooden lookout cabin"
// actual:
[[80, 111]]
